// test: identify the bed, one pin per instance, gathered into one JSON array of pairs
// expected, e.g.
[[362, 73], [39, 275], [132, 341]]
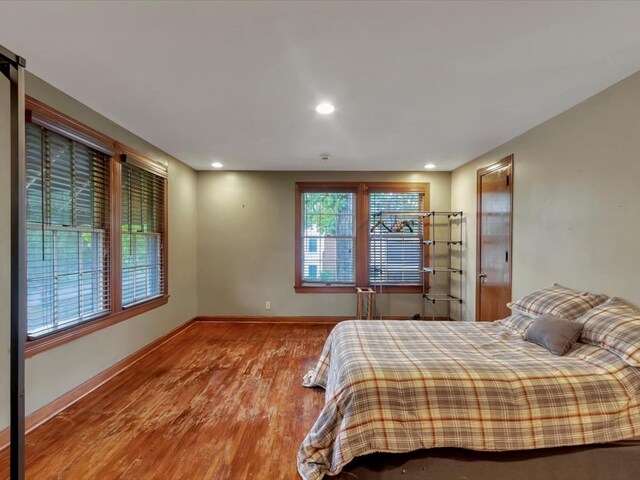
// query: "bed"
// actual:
[[403, 386]]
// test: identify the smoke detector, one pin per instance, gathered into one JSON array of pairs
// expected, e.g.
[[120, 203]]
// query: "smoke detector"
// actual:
[[324, 156]]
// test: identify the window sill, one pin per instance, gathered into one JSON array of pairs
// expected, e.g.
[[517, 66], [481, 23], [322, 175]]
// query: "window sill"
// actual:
[[33, 347], [323, 289], [417, 289]]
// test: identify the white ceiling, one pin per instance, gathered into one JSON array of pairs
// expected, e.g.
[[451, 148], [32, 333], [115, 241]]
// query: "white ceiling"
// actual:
[[412, 82]]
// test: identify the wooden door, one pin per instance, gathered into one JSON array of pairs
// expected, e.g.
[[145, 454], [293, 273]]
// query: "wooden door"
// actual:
[[493, 276]]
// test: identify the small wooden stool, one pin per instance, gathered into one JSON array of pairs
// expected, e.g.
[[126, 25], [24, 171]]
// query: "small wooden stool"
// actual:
[[365, 297]]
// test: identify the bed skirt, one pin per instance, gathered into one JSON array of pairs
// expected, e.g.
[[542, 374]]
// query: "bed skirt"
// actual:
[[620, 461]]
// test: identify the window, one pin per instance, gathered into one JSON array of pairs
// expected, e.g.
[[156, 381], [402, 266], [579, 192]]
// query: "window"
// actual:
[[313, 272], [142, 235], [395, 257], [75, 185], [67, 231], [336, 234], [329, 227]]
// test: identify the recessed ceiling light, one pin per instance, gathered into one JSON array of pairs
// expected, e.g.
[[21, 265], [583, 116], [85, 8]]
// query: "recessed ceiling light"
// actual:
[[217, 165], [430, 166], [325, 108]]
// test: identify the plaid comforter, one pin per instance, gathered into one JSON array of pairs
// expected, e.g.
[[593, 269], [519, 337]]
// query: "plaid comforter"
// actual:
[[398, 386]]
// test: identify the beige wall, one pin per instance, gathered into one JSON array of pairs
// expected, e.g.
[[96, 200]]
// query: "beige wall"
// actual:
[[246, 254], [576, 199], [54, 372]]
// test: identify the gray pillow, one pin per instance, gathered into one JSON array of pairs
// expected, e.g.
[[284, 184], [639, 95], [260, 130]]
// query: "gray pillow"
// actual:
[[553, 333]]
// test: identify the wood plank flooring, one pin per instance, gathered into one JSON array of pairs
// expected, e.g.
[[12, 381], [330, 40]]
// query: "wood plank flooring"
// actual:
[[218, 401]]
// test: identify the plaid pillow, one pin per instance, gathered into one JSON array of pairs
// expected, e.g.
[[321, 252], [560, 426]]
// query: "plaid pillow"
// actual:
[[614, 325], [518, 322], [558, 301]]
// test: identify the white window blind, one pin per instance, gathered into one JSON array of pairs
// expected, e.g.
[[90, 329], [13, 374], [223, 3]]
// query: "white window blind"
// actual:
[[143, 235], [395, 240], [328, 238], [67, 191]]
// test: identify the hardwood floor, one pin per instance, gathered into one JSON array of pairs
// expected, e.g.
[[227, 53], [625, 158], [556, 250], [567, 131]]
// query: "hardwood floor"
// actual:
[[215, 402]]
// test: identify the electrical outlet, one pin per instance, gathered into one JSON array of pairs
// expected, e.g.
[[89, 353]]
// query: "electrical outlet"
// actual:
[[267, 305]]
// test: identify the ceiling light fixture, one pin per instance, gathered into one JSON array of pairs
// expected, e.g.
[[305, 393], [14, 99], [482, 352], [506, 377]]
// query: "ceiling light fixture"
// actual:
[[217, 165], [325, 109], [430, 166]]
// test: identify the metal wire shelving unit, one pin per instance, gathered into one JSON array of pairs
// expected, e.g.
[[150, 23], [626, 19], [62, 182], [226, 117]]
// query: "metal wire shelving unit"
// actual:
[[447, 221], [441, 244]]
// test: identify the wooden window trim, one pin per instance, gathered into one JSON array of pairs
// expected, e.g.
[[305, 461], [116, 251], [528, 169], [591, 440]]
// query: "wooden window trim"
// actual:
[[33, 347], [351, 289], [362, 231], [45, 116], [128, 155]]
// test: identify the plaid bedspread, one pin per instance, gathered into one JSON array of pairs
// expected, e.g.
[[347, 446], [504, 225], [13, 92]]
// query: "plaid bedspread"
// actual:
[[398, 386]]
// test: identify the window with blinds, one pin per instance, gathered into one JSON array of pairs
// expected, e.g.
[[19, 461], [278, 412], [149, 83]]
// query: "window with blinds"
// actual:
[[395, 240], [143, 235], [341, 242], [328, 238], [67, 221]]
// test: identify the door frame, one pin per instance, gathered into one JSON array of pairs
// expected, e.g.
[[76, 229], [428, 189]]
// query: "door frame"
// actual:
[[500, 164]]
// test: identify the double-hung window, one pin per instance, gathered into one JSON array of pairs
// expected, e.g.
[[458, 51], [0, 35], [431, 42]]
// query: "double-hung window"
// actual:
[[96, 233], [395, 237], [328, 237], [68, 248], [350, 234], [143, 240]]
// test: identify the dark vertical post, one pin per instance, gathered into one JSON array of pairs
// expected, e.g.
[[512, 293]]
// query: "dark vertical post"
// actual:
[[12, 67]]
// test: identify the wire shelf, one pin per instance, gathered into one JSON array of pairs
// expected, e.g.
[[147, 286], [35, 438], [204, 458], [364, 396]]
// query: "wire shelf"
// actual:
[[418, 214], [441, 297], [441, 269], [442, 242]]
